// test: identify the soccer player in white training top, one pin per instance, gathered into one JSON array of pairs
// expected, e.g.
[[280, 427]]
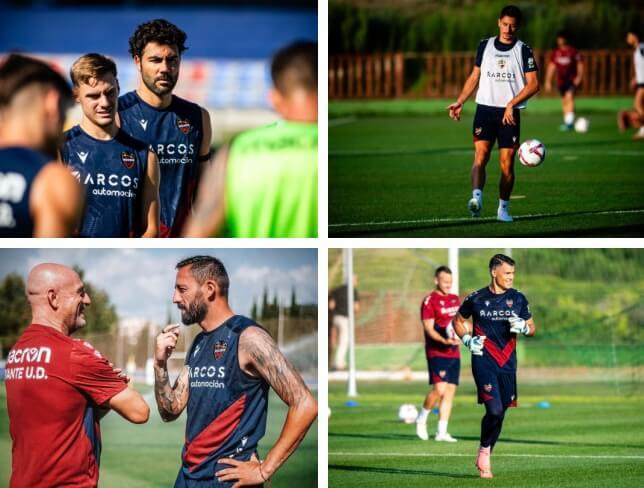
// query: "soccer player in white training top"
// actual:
[[505, 72]]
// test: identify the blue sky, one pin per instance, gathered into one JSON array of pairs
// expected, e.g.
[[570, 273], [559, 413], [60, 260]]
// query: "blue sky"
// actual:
[[140, 281]]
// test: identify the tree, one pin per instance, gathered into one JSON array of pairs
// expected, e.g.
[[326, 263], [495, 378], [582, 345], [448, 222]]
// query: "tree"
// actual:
[[294, 309], [253, 310], [264, 314], [16, 313]]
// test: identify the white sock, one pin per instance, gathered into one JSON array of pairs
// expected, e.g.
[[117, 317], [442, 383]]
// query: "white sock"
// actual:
[[478, 194], [641, 131], [422, 416], [569, 118], [504, 205], [442, 427]]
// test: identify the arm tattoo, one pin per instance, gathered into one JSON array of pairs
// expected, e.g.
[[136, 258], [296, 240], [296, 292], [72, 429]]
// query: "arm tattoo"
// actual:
[[271, 364], [170, 400]]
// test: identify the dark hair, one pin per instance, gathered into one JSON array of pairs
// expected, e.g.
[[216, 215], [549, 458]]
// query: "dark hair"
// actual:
[[296, 66], [511, 11], [499, 259], [207, 268], [442, 269], [562, 33], [160, 31], [18, 72]]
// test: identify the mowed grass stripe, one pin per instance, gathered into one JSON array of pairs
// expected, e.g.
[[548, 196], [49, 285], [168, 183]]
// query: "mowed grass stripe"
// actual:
[[409, 169]]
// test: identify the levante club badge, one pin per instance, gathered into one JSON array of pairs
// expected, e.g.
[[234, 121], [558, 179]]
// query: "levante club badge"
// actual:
[[184, 125], [220, 349], [128, 159]]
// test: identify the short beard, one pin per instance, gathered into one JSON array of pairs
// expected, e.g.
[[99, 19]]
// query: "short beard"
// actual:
[[195, 313], [156, 90]]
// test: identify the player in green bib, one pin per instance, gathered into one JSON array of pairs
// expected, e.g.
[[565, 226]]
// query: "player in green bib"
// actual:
[[264, 184]]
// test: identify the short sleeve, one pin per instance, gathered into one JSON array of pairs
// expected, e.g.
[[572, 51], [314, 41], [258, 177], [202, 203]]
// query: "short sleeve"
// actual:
[[426, 309], [525, 313], [479, 53], [92, 374], [529, 62], [467, 307]]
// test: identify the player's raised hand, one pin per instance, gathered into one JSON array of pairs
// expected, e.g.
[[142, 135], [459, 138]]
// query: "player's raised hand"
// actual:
[[166, 342], [245, 473], [455, 110], [474, 344], [518, 325]]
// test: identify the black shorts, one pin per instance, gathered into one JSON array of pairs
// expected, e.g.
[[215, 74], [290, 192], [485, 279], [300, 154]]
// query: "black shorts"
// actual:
[[494, 386], [566, 87], [640, 85], [444, 369], [488, 126]]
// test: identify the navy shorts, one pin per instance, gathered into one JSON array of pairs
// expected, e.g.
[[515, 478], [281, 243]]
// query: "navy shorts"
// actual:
[[567, 86], [488, 126], [183, 481], [444, 369], [491, 385]]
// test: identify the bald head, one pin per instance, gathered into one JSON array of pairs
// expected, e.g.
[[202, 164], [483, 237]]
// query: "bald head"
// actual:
[[57, 297], [45, 276]]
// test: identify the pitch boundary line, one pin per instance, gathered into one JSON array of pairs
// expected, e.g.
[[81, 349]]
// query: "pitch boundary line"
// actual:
[[429, 454], [451, 220]]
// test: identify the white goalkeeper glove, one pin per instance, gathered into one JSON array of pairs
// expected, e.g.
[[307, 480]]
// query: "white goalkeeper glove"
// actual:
[[474, 344], [518, 325]]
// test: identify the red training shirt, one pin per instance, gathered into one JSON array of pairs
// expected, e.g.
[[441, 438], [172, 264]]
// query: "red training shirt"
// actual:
[[441, 308], [565, 60], [54, 384]]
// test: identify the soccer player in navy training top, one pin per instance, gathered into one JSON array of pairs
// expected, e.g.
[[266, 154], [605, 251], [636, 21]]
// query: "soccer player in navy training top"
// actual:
[[177, 130], [229, 368], [498, 313], [38, 196], [119, 173], [506, 74], [443, 356]]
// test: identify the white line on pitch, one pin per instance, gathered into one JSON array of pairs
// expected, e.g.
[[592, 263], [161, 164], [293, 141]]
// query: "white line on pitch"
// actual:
[[341, 121], [429, 454], [460, 152], [485, 219]]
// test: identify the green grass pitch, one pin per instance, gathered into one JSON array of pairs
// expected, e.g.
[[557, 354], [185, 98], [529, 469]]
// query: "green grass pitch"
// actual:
[[402, 169], [589, 437], [147, 456]]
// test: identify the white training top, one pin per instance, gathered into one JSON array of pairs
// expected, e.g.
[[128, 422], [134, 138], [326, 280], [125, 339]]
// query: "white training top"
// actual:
[[503, 68], [638, 59]]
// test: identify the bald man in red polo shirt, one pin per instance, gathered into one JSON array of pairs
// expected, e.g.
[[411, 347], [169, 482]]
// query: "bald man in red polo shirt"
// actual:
[[58, 388]]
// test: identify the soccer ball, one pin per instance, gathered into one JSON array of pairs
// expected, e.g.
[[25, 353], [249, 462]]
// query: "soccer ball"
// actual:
[[407, 413], [582, 125], [532, 153]]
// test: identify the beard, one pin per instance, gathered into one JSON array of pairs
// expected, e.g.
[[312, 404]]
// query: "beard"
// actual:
[[150, 83], [195, 313], [79, 320]]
